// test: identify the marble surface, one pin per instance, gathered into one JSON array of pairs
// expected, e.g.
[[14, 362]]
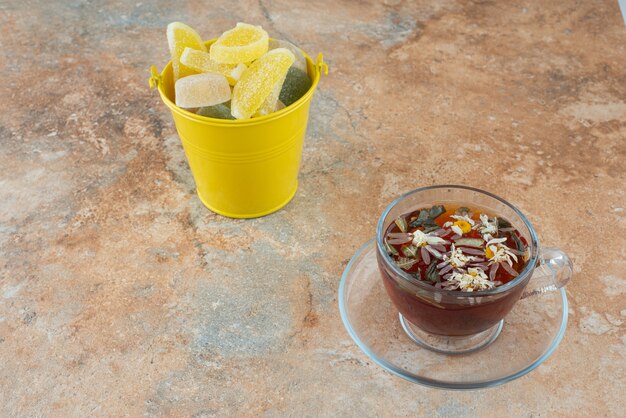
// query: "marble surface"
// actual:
[[121, 295]]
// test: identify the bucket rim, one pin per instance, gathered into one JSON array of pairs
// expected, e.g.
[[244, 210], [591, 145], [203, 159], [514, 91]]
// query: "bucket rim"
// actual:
[[245, 122]]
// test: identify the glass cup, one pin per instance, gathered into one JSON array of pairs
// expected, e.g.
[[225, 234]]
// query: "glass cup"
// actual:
[[455, 322]]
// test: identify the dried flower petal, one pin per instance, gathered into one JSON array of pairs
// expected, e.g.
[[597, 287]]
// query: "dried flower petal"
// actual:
[[470, 242], [432, 274], [410, 251], [510, 269], [401, 222], [434, 252], [391, 249], [492, 273], [518, 243], [445, 269], [406, 263], [472, 251]]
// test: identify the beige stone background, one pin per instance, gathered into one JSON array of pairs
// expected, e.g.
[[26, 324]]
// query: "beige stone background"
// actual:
[[121, 295]]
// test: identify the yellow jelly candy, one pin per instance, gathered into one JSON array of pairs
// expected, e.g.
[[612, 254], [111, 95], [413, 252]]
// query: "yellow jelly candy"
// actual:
[[201, 62], [236, 73], [179, 37], [201, 90], [271, 103], [244, 43], [258, 82], [300, 61]]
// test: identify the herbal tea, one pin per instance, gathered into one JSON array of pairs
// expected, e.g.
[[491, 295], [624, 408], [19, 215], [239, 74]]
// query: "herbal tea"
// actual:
[[457, 248]]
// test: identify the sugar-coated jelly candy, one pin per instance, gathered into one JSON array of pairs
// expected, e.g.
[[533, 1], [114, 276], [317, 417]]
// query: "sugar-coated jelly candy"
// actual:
[[271, 103], [242, 44], [235, 74], [296, 84], [219, 111], [278, 106], [201, 90], [179, 37], [300, 61], [258, 81], [201, 62]]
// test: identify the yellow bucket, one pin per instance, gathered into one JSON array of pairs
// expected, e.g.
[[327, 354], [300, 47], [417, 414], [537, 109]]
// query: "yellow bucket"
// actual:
[[243, 168]]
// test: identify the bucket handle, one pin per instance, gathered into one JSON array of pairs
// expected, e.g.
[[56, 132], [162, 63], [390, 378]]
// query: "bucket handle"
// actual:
[[322, 67], [155, 79]]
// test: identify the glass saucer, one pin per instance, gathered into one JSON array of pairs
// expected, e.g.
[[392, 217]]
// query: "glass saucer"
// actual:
[[530, 333]]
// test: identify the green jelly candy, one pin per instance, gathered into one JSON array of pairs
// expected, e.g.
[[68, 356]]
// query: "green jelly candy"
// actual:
[[220, 111], [296, 84]]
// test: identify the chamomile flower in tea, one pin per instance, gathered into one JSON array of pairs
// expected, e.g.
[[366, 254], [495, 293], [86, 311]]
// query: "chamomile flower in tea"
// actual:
[[487, 226], [472, 279], [458, 258], [457, 248], [462, 224], [499, 255]]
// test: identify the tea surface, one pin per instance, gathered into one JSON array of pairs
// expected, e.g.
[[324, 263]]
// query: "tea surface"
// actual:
[[456, 248]]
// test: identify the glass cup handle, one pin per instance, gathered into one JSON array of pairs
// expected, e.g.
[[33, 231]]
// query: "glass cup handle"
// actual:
[[553, 272]]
